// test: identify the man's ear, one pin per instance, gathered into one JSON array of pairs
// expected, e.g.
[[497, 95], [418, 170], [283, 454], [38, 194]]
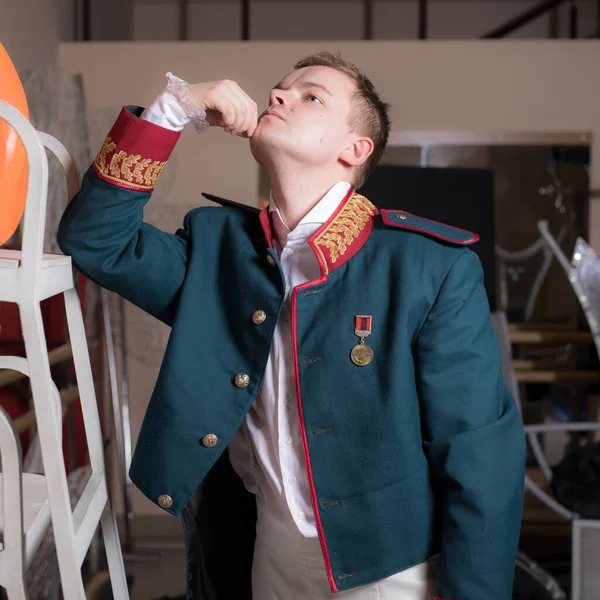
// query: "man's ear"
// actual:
[[358, 152]]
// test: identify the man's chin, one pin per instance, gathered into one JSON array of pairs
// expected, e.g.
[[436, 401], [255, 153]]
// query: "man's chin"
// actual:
[[257, 148], [262, 144]]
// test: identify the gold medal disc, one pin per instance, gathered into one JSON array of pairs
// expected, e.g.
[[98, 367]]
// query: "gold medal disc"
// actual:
[[361, 355]]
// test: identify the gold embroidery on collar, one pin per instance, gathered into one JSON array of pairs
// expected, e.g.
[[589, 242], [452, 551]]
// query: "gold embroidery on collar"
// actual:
[[128, 169], [344, 229]]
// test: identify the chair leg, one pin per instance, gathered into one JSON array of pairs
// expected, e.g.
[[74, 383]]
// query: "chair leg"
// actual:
[[575, 560], [85, 382], [51, 447], [114, 554]]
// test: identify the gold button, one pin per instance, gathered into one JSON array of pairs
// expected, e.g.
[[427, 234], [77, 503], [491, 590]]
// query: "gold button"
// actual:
[[242, 380], [165, 501], [271, 260], [403, 217], [260, 316], [210, 440]]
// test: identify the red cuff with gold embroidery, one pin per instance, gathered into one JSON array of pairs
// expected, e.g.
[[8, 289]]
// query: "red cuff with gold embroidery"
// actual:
[[135, 152]]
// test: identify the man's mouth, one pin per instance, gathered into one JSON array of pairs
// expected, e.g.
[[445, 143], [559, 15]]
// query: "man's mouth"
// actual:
[[272, 113]]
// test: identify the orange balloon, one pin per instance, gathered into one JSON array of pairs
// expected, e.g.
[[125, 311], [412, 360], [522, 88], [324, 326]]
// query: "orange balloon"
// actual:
[[13, 159]]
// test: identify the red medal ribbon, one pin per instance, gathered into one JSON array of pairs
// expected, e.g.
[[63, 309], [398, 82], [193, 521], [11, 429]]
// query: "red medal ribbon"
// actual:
[[362, 325]]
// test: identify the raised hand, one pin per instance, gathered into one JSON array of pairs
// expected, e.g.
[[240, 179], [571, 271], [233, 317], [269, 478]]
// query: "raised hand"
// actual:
[[226, 106]]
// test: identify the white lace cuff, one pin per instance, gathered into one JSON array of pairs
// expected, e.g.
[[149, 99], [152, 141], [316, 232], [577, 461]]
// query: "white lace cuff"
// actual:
[[179, 88]]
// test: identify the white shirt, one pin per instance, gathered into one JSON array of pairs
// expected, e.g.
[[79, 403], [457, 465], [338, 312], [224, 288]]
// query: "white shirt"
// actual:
[[267, 451]]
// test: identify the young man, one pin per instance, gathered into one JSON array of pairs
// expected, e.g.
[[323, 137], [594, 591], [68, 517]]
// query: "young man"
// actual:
[[330, 412]]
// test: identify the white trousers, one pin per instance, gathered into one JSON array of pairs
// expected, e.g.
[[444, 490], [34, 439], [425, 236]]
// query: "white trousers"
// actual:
[[290, 567]]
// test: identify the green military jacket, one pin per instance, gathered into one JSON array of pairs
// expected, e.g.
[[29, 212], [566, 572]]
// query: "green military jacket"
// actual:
[[420, 451]]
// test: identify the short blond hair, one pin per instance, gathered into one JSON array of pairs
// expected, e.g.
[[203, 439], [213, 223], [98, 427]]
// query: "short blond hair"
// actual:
[[369, 116]]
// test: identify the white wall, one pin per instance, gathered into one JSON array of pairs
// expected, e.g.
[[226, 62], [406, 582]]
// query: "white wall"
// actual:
[[481, 86], [29, 30]]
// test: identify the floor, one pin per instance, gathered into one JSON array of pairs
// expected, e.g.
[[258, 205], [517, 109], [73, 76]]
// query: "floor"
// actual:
[[155, 576], [154, 579], [156, 570]]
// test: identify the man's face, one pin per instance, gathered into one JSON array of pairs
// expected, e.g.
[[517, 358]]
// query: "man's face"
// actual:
[[307, 118]]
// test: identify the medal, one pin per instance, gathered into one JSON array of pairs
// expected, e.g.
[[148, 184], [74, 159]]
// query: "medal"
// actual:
[[362, 354]]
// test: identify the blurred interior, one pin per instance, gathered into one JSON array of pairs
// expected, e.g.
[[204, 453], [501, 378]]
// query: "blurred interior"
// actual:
[[495, 128]]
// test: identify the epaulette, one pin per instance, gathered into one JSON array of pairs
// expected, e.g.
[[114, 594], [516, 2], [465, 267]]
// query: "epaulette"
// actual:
[[441, 231], [224, 202]]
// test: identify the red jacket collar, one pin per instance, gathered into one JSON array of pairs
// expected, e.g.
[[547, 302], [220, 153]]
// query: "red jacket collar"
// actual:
[[341, 237]]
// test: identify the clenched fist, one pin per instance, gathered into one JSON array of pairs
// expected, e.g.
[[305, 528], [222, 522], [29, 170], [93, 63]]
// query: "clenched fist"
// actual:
[[226, 106]]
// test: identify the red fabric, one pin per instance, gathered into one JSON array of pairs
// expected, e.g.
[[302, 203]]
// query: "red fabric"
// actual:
[[311, 483], [134, 152], [362, 323], [265, 222]]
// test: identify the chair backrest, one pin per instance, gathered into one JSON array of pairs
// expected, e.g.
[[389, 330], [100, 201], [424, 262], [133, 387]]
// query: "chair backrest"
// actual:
[[35, 143], [13, 159]]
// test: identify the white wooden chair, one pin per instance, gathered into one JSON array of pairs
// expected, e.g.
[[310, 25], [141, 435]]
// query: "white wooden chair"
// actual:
[[26, 512], [27, 277]]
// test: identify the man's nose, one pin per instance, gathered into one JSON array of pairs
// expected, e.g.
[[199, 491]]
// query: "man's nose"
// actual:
[[278, 97]]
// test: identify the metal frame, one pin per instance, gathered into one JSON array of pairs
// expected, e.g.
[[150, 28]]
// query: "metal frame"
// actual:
[[573, 23], [576, 548], [423, 138], [448, 137], [183, 19], [554, 24], [82, 25], [86, 20], [523, 19], [532, 432], [368, 19], [423, 20], [245, 24]]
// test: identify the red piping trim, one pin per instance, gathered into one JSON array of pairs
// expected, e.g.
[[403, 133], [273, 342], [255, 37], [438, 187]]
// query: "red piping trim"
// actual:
[[384, 214], [437, 223], [265, 221], [311, 483]]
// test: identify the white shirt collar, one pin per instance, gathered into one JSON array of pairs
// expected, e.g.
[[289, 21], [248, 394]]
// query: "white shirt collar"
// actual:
[[318, 216]]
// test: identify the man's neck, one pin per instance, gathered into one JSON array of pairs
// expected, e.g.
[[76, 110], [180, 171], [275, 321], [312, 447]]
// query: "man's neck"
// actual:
[[297, 194]]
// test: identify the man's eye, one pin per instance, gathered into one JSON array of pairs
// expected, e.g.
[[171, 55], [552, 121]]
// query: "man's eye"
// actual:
[[312, 98]]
